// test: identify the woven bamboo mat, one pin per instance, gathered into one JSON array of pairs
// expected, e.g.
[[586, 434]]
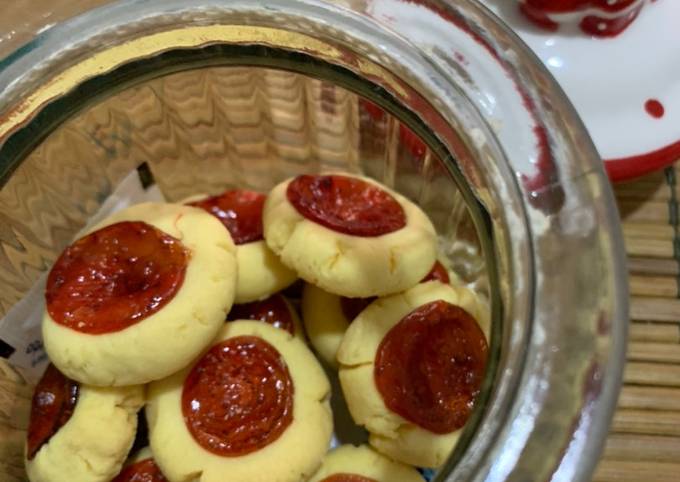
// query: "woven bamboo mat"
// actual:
[[644, 443]]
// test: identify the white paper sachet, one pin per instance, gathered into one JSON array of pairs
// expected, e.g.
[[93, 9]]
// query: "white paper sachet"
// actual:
[[20, 328]]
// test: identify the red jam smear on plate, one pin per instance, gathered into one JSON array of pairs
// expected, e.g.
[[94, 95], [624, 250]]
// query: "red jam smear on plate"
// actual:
[[539, 12], [238, 398], [115, 277], [429, 367], [239, 210], [143, 471], [346, 204], [272, 310], [54, 400]]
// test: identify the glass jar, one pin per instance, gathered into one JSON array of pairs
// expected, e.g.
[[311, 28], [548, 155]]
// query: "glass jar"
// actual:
[[436, 99]]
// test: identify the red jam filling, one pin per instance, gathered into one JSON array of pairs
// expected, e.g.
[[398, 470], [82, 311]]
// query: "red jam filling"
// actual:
[[346, 204], [239, 397], [142, 471], [437, 273], [351, 307], [430, 365], [54, 401], [272, 310], [347, 478], [240, 211], [115, 277]]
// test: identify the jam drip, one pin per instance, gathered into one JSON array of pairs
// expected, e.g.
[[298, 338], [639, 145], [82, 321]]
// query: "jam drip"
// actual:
[[142, 471], [240, 211], [115, 277], [437, 273], [272, 310], [239, 397], [429, 367], [346, 204], [54, 400]]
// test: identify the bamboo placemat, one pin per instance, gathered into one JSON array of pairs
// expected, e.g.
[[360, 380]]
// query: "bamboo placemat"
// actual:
[[644, 442]]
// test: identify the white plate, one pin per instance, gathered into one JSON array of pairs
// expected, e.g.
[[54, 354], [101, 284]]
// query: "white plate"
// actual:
[[617, 84]]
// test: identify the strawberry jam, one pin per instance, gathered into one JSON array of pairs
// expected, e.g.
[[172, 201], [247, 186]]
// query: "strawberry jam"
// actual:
[[240, 211], [142, 471], [238, 398], [429, 367], [115, 277], [346, 204], [54, 401], [272, 310]]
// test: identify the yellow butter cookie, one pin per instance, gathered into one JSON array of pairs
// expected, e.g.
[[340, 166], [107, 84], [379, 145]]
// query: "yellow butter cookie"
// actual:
[[327, 316], [275, 310], [276, 426], [410, 367], [261, 273], [349, 235], [363, 461], [140, 295], [79, 432]]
